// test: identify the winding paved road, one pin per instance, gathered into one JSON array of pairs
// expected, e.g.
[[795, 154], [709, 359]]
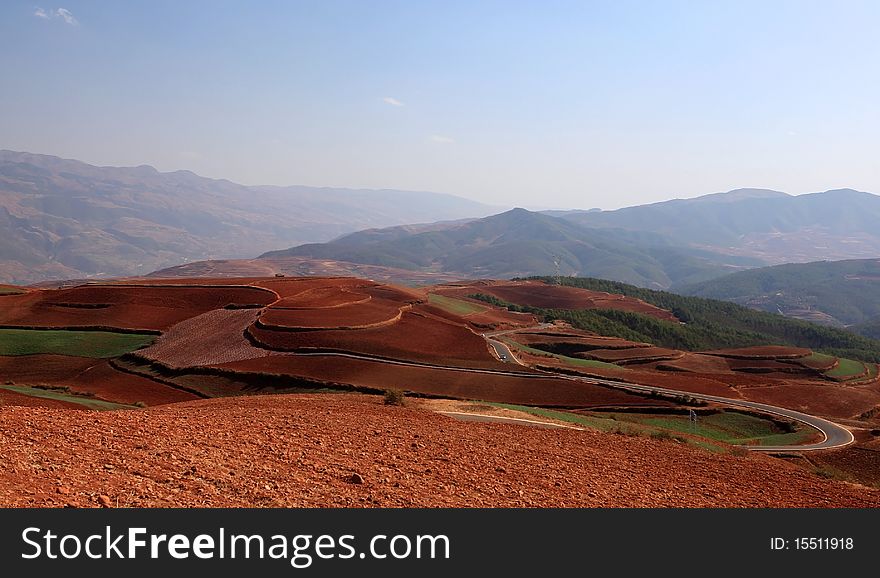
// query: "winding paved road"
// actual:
[[835, 435]]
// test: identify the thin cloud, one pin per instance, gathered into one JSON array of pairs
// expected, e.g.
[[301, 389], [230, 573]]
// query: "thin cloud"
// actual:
[[62, 13], [67, 16], [442, 139], [392, 101]]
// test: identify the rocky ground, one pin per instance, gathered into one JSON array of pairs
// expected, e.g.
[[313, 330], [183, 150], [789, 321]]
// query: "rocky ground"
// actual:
[[352, 451]]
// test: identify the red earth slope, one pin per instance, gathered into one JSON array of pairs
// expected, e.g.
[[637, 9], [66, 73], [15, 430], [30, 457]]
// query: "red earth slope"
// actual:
[[301, 451]]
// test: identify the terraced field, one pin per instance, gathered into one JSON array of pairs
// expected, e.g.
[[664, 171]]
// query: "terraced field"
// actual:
[[124, 306], [455, 306], [418, 336], [537, 294], [847, 369], [271, 335], [368, 313]]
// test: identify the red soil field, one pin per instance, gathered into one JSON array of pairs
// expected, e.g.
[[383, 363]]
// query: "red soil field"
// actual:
[[762, 352], [634, 355], [110, 384], [684, 382], [549, 391], [293, 286], [694, 383], [819, 364], [304, 267], [323, 297], [586, 341], [538, 294], [497, 319], [210, 338], [299, 451], [766, 366], [695, 362], [374, 312], [131, 307], [860, 462], [187, 281], [418, 336], [39, 369], [827, 399], [490, 320], [87, 375]]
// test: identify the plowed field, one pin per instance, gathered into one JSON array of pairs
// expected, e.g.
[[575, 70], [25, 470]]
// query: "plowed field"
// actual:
[[762, 352], [87, 375], [323, 297], [301, 451], [373, 312], [519, 390], [694, 362], [416, 337], [122, 306], [537, 294], [830, 400], [635, 355], [207, 339]]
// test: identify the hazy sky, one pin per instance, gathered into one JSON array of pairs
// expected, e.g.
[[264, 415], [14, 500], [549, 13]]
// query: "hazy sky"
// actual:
[[537, 104]]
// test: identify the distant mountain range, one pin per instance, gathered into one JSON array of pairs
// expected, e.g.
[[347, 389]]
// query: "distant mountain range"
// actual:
[[63, 219], [521, 243], [768, 225], [66, 219], [663, 245], [837, 293]]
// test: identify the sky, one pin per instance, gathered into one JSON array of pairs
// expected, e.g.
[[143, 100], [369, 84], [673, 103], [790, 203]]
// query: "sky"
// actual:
[[542, 104]]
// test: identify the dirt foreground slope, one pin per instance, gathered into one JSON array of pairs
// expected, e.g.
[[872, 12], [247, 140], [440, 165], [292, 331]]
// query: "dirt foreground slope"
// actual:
[[298, 450]]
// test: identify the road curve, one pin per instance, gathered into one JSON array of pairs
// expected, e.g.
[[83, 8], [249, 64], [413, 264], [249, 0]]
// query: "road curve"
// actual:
[[835, 435]]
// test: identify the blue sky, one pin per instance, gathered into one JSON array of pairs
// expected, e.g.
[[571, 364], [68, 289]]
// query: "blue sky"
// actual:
[[537, 104]]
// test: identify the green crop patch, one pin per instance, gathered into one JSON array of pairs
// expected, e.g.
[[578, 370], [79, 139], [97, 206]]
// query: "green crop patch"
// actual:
[[847, 369], [58, 395], [73, 343], [455, 306], [817, 360], [731, 427]]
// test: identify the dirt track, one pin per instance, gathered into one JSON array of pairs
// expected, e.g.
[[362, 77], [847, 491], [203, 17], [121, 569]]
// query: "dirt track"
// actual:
[[303, 450]]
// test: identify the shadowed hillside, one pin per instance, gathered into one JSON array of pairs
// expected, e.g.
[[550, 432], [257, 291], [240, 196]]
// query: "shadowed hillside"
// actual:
[[520, 242]]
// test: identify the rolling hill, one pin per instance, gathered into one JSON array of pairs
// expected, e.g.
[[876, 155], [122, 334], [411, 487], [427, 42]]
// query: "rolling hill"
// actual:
[[519, 243], [768, 225], [62, 219], [837, 293]]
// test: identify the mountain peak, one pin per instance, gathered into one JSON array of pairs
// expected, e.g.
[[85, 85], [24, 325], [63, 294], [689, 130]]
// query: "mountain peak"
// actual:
[[847, 192], [741, 195]]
